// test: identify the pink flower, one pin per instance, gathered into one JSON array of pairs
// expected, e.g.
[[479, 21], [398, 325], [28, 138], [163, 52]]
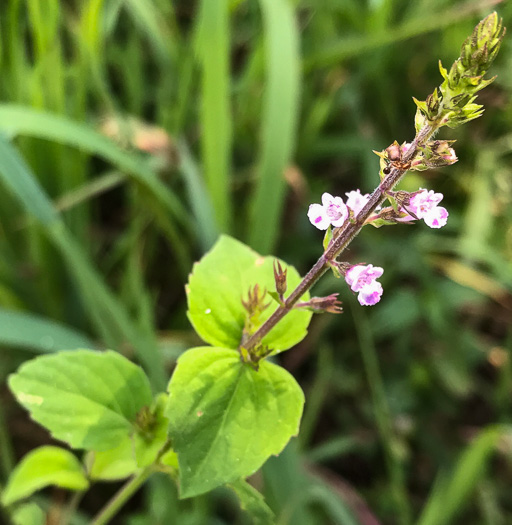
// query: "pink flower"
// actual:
[[423, 201], [424, 205], [437, 217], [404, 147], [332, 211], [370, 294], [450, 157], [356, 201], [363, 279]]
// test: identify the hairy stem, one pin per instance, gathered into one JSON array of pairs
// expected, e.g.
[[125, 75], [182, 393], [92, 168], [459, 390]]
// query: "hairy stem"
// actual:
[[343, 237]]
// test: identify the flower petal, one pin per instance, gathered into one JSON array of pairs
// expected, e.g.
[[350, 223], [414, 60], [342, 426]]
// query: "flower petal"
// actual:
[[318, 217], [370, 294], [437, 217], [327, 199], [356, 201]]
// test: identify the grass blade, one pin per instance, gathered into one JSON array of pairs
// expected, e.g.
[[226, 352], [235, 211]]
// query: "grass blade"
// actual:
[[153, 25], [280, 113], [212, 46], [22, 330], [198, 197], [451, 494]]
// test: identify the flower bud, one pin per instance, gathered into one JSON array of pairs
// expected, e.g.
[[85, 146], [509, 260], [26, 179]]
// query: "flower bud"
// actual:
[[255, 301], [329, 304], [452, 104], [393, 151], [280, 278]]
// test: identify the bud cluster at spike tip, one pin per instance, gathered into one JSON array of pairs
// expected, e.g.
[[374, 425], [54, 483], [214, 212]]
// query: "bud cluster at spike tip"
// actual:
[[452, 103]]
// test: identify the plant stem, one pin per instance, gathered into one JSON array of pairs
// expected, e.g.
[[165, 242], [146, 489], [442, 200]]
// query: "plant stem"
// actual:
[[122, 496], [342, 238], [71, 507]]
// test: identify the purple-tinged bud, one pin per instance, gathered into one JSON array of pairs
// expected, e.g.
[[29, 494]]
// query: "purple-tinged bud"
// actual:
[[329, 304], [401, 197], [440, 153], [255, 301], [393, 151], [404, 147], [390, 216], [280, 278], [450, 157]]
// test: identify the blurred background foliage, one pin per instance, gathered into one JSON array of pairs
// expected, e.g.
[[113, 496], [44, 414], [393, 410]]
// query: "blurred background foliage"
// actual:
[[133, 132]]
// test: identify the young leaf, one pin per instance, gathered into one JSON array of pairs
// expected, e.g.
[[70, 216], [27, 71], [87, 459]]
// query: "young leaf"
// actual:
[[42, 467], [28, 514], [226, 418], [113, 464], [88, 399], [136, 451], [217, 286], [150, 440], [253, 503]]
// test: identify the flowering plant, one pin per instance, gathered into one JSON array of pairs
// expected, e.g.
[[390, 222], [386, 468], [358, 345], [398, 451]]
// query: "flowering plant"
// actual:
[[228, 408]]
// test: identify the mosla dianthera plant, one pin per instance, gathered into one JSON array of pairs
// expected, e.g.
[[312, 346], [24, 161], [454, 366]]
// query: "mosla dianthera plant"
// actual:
[[228, 408]]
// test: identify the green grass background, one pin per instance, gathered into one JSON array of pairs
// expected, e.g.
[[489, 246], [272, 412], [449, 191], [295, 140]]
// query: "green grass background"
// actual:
[[265, 105]]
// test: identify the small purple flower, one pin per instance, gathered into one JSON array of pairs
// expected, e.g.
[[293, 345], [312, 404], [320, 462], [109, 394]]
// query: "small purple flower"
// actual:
[[370, 294], [332, 211], [356, 201], [424, 205], [363, 279]]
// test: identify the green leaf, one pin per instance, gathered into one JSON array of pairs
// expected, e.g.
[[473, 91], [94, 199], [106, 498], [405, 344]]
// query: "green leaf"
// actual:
[[327, 237], [22, 330], [216, 288], [28, 514], [226, 418], [113, 464], [42, 467], [148, 442], [85, 398], [253, 503]]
